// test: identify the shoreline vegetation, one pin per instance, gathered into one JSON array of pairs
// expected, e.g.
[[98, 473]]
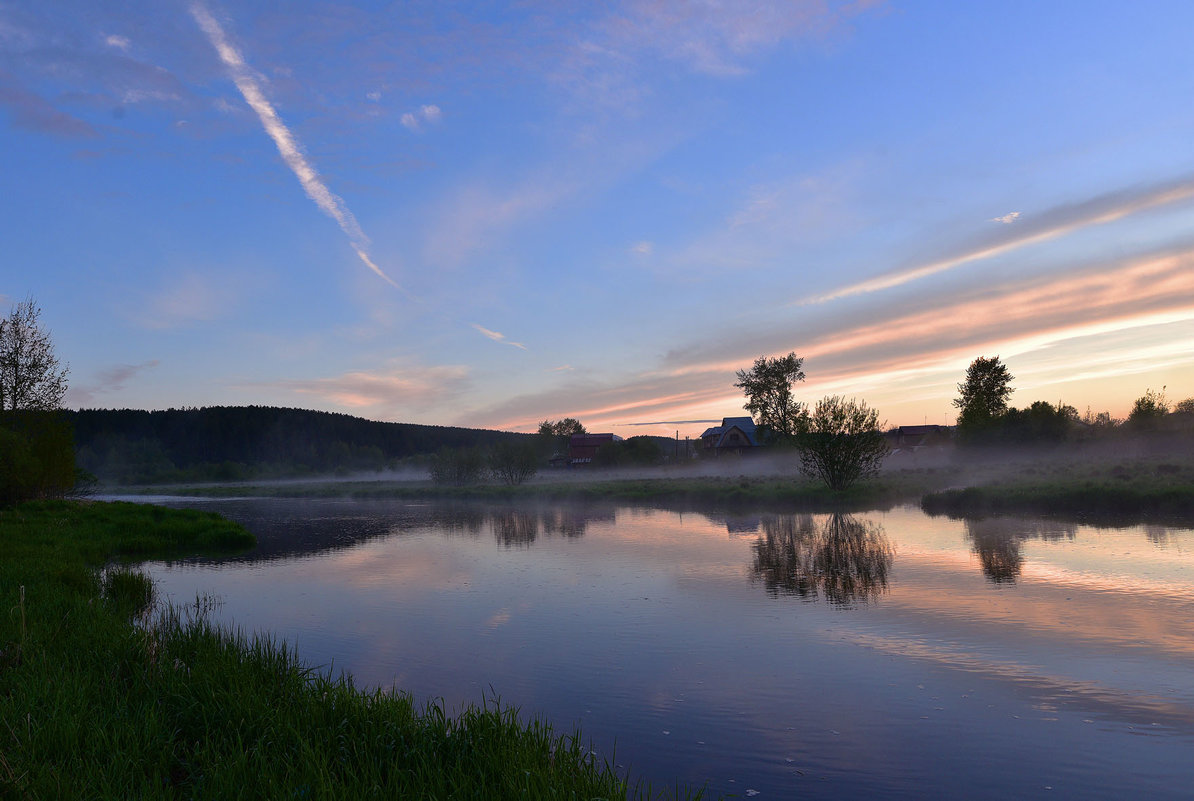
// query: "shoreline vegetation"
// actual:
[[1144, 488], [106, 695]]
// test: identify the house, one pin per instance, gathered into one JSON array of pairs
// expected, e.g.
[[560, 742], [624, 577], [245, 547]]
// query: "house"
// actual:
[[583, 447], [735, 435], [910, 439]]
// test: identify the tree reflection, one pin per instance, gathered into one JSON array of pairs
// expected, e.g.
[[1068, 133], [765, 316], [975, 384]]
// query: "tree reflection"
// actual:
[[998, 543], [844, 559], [520, 527]]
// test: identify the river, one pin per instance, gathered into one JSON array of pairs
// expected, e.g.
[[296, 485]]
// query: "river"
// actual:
[[884, 654]]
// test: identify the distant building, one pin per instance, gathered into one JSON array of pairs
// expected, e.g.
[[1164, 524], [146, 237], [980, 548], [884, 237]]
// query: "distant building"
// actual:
[[735, 435], [910, 439], [583, 447]]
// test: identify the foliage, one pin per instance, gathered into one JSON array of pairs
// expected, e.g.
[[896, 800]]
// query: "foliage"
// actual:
[[1184, 407], [514, 462], [632, 452], [843, 442], [116, 703], [30, 377], [1039, 424], [768, 389], [1149, 408], [223, 443], [37, 456], [457, 466], [982, 397], [556, 436]]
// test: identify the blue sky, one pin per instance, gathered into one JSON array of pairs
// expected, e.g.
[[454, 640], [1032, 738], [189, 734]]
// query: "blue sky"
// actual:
[[489, 215]]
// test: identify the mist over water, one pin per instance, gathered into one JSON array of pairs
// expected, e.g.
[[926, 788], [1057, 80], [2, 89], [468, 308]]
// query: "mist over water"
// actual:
[[792, 655]]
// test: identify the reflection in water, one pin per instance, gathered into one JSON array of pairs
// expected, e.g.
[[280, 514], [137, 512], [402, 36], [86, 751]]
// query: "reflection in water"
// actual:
[[519, 527], [845, 559], [997, 542]]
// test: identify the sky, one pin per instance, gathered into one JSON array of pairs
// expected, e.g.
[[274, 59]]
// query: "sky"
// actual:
[[489, 214]]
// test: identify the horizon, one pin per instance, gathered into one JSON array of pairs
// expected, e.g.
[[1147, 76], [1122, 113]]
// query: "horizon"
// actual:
[[487, 218]]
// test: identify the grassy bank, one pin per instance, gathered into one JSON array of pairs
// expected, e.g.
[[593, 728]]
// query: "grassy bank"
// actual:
[[685, 492], [1125, 490], [101, 699]]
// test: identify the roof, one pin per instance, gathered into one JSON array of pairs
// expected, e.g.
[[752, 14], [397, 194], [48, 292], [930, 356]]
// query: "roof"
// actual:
[[744, 424]]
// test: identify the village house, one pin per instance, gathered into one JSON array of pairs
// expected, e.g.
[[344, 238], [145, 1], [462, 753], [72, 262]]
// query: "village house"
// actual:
[[583, 447], [736, 435]]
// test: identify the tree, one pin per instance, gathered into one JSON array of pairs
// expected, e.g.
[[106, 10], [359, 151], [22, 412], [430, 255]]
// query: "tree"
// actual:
[[983, 395], [768, 390], [1184, 407], [514, 462], [457, 466], [1149, 408], [557, 436], [843, 442], [30, 377]]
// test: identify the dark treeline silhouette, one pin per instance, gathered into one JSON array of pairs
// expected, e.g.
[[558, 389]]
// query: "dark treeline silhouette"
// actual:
[[229, 443]]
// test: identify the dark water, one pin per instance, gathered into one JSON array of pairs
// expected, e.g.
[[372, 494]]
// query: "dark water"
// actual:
[[883, 655]]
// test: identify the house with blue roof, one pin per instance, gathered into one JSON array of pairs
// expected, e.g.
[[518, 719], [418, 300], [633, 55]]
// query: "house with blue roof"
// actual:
[[736, 435]]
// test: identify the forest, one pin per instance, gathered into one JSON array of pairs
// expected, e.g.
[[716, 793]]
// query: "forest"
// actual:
[[234, 443]]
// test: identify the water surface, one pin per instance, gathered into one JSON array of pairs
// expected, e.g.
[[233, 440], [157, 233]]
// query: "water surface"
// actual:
[[763, 655]]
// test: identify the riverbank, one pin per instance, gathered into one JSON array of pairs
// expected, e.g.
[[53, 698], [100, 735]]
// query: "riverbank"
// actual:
[[1062, 486], [1129, 490], [104, 697]]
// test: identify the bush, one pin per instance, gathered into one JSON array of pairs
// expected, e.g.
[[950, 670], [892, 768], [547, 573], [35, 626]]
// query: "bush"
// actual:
[[514, 462], [457, 466], [37, 456], [843, 443]]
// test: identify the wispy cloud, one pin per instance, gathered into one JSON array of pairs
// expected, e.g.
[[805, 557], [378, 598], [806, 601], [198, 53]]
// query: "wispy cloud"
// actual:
[[497, 337], [34, 113], [563, 368], [1006, 219], [885, 346], [391, 392], [249, 85], [414, 120], [117, 41], [111, 379], [1047, 226]]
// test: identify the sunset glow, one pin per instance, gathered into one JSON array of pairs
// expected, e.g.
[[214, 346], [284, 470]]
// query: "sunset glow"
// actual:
[[490, 216]]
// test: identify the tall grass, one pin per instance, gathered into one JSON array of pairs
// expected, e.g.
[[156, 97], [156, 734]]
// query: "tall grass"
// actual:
[[99, 699]]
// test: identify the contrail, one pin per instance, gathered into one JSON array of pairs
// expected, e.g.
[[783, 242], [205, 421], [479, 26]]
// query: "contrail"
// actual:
[[498, 337], [288, 147]]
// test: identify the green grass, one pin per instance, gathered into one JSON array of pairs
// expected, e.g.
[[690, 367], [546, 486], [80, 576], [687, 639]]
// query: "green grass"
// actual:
[[102, 698], [1125, 490], [685, 493]]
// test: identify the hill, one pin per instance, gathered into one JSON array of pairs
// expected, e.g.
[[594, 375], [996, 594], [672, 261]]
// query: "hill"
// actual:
[[231, 443]]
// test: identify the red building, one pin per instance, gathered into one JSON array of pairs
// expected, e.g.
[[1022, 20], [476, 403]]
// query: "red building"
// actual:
[[583, 447]]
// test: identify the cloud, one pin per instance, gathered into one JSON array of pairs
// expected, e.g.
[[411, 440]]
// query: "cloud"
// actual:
[[391, 392], [642, 248], [119, 42], [563, 368], [374, 96], [496, 337], [111, 379], [413, 120], [1052, 224], [1006, 219], [34, 113], [288, 147], [886, 346]]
